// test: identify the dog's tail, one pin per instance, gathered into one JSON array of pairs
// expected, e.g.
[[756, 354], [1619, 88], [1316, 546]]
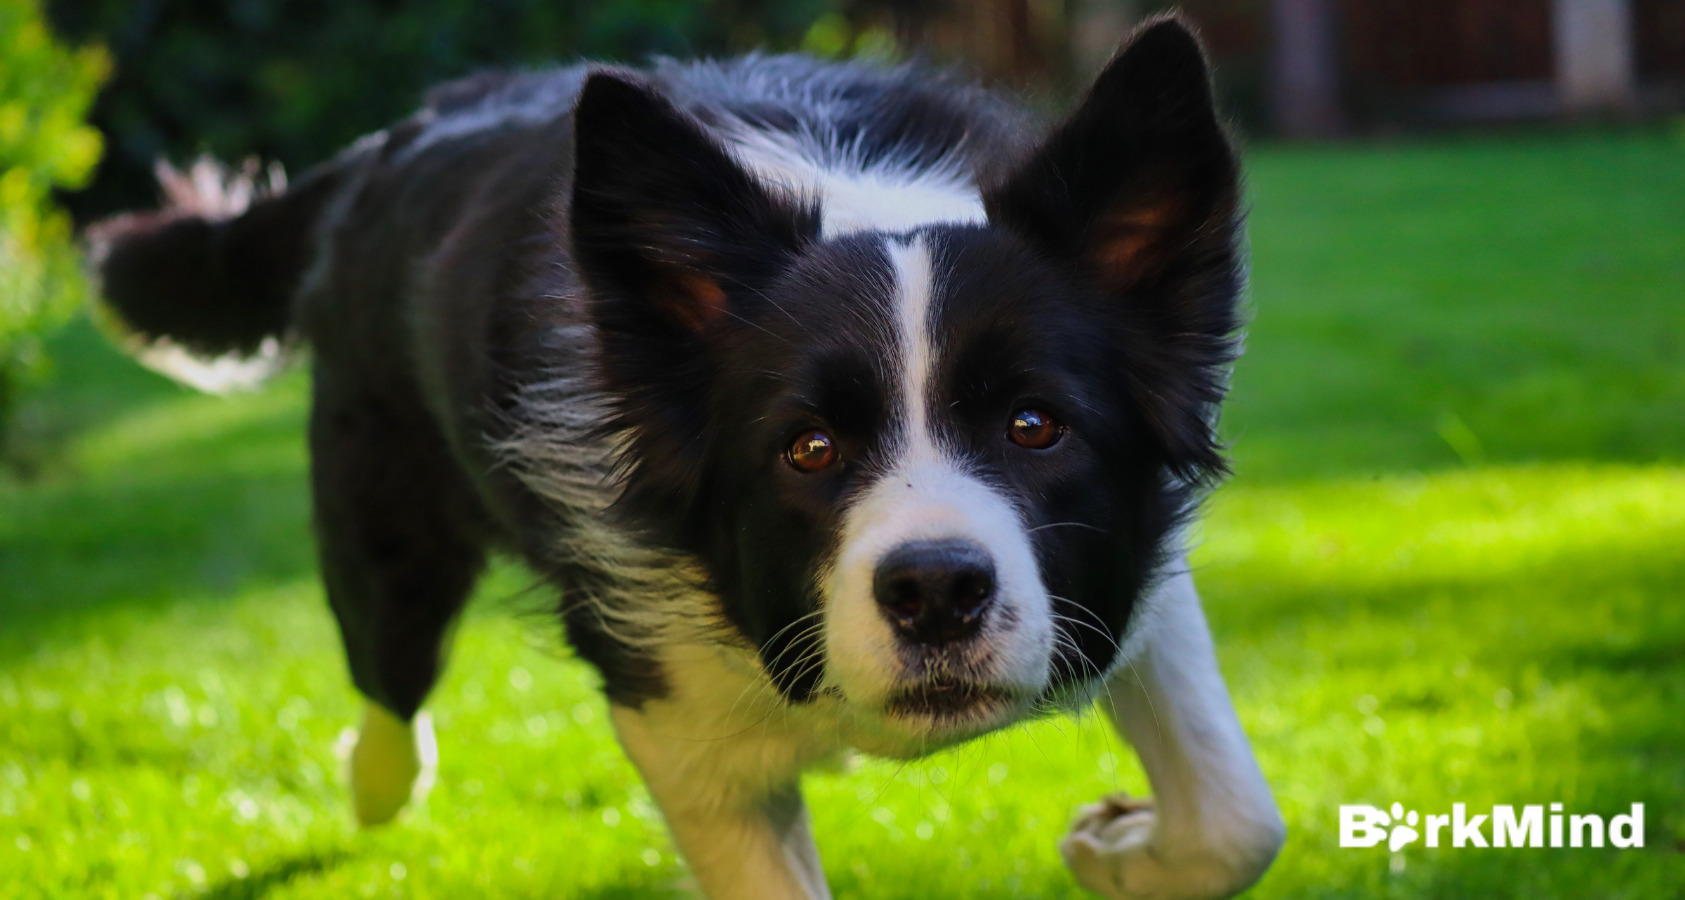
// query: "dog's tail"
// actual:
[[206, 284]]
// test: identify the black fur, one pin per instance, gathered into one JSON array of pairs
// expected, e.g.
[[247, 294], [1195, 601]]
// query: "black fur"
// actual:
[[212, 286]]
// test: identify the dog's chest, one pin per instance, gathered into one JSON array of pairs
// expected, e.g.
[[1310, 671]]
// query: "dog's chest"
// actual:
[[724, 722]]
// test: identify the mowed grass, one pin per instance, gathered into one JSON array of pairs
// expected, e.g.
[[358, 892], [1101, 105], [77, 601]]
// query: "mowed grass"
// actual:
[[1449, 569]]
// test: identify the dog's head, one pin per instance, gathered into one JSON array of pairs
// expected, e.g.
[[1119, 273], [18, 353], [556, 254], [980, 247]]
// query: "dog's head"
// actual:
[[930, 472]]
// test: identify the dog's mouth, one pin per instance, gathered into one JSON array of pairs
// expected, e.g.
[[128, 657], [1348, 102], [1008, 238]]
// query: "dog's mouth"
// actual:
[[949, 702]]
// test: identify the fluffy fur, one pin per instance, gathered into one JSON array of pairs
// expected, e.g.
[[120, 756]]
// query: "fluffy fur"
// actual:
[[581, 316]]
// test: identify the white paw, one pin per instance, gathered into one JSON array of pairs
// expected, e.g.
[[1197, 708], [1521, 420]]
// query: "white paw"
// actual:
[[1115, 849], [391, 762]]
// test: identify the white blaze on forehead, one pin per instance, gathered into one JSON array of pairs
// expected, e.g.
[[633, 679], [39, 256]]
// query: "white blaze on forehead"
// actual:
[[928, 492], [914, 285], [855, 196]]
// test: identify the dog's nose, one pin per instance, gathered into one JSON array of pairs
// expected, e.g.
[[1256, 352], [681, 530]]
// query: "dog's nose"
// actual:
[[935, 592]]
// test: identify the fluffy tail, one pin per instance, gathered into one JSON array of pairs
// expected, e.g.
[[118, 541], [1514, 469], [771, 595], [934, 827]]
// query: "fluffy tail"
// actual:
[[206, 283]]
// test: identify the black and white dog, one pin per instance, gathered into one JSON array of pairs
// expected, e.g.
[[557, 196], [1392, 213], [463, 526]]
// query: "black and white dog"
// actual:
[[843, 410]]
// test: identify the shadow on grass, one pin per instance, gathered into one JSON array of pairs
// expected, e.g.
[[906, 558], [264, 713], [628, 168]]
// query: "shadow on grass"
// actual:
[[67, 553], [274, 875], [185, 499], [1549, 670], [90, 382]]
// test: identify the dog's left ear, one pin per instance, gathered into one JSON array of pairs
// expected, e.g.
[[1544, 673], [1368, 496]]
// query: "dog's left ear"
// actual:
[[1140, 191]]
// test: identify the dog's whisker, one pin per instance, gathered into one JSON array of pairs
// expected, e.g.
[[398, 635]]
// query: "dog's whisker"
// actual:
[[1069, 525]]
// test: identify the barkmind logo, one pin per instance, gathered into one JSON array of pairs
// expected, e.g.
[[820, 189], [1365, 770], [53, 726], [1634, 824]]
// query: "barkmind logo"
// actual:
[[1362, 825]]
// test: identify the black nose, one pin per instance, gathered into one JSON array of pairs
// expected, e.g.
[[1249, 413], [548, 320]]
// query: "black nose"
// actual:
[[935, 592]]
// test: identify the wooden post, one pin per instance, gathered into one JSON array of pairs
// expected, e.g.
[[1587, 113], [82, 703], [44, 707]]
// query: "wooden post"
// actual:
[[1594, 59], [1305, 68], [1017, 41]]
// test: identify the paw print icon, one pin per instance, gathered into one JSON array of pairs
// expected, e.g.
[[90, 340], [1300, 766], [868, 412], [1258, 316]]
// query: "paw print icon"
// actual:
[[1404, 831]]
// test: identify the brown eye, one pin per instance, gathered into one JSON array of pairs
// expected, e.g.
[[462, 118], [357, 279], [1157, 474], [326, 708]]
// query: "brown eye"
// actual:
[[812, 451], [1034, 429]]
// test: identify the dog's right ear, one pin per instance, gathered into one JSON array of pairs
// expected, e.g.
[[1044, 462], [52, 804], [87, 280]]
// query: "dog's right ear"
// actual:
[[667, 228], [675, 242]]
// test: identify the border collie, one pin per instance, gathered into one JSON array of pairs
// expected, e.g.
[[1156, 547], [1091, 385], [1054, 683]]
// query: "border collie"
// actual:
[[842, 407]]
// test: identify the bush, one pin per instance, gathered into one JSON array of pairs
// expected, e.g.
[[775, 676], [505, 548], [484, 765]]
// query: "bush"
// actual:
[[295, 80], [45, 92]]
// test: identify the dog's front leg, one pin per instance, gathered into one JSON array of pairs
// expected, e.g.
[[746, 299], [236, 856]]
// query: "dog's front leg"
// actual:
[[1212, 828], [735, 811]]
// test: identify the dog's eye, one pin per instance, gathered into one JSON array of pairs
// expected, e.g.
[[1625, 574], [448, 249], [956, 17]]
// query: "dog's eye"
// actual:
[[1034, 429], [812, 451]]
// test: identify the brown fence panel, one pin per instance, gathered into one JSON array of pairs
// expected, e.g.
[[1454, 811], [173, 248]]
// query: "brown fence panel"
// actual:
[[1406, 44], [1658, 28]]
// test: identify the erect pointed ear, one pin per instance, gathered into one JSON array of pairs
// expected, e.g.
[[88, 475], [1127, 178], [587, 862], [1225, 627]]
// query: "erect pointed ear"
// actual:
[[665, 225], [673, 240], [1139, 190], [1138, 171]]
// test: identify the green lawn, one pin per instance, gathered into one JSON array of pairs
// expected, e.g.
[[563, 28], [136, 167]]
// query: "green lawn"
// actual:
[[1448, 569]]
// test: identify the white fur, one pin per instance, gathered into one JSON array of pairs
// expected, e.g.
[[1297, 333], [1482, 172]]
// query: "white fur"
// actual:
[[722, 755], [647, 598], [216, 192], [1213, 827], [928, 494], [391, 762], [230, 373], [856, 196]]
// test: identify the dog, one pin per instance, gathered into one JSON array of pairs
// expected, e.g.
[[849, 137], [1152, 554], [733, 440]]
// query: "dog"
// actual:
[[843, 407]]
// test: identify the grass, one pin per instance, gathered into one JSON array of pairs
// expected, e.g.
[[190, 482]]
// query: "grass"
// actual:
[[1448, 569]]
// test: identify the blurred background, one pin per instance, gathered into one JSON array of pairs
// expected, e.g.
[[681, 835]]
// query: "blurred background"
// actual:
[[294, 80], [1448, 567]]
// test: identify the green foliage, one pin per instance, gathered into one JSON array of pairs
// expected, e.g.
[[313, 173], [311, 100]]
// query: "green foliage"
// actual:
[[1406, 608], [296, 80], [45, 91]]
